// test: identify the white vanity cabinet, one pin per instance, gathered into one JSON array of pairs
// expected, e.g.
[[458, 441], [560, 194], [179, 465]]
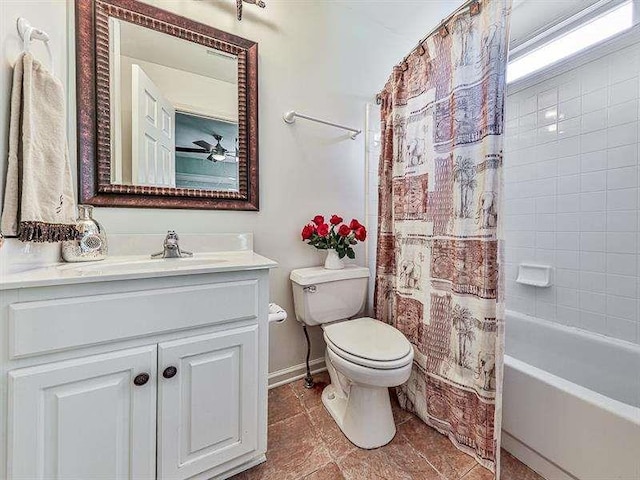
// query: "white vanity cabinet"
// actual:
[[157, 378], [207, 412], [74, 418]]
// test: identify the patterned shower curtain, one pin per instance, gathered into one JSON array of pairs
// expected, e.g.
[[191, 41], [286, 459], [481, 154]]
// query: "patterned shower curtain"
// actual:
[[438, 277]]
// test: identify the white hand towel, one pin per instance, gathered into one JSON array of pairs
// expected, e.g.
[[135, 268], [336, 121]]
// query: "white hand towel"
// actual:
[[39, 204]]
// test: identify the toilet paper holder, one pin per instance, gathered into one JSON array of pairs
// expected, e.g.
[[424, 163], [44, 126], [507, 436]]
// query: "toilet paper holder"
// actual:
[[277, 314]]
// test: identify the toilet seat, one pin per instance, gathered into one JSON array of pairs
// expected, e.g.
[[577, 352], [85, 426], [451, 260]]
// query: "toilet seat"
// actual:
[[364, 362], [369, 343]]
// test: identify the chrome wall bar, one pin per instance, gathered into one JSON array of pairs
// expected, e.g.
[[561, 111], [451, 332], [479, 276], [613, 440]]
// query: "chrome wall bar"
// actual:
[[290, 117]]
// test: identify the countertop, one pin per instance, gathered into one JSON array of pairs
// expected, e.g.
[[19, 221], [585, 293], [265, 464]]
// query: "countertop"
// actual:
[[128, 267]]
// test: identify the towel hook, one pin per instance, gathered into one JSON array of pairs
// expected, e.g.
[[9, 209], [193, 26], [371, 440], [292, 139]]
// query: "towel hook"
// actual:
[[28, 33]]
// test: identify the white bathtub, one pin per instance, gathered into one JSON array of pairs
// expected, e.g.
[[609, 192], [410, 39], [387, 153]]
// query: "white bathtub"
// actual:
[[571, 403]]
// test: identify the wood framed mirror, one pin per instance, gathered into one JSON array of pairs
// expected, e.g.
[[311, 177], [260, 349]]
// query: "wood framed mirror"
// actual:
[[167, 110]]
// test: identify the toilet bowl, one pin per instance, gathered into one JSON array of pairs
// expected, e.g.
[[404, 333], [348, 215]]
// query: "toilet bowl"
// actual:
[[364, 356], [358, 396]]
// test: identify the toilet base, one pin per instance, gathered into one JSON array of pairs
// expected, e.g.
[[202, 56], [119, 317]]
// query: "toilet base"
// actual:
[[364, 415]]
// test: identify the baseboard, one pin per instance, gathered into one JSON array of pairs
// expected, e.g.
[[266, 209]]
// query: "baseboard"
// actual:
[[291, 374], [532, 459]]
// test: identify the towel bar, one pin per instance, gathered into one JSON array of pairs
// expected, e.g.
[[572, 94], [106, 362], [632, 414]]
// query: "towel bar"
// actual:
[[290, 117]]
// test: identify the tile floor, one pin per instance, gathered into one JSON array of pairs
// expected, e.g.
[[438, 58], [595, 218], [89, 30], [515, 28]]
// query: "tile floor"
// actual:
[[305, 443]]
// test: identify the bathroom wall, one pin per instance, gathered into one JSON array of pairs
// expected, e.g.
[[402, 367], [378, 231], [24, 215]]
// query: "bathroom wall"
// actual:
[[323, 58], [571, 157], [372, 160]]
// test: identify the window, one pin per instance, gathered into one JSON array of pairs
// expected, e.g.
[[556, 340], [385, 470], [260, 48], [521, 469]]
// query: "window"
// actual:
[[612, 22]]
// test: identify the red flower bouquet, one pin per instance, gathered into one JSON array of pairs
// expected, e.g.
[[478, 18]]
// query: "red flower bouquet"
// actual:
[[335, 235]]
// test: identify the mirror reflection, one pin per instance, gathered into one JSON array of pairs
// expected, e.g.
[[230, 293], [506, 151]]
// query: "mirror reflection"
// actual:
[[174, 111]]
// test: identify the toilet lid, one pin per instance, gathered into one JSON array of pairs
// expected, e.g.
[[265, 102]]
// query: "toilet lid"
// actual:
[[368, 338]]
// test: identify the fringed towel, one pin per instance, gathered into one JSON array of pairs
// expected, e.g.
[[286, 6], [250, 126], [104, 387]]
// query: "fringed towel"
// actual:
[[39, 204]]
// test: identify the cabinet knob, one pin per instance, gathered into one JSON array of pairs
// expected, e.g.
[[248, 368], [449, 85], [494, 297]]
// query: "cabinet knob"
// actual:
[[169, 372], [141, 379]]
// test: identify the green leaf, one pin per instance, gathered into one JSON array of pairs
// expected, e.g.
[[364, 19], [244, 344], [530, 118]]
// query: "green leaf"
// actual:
[[341, 254], [350, 253]]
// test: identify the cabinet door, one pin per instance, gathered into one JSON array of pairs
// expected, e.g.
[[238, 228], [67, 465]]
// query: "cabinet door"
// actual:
[[84, 418], [208, 411]]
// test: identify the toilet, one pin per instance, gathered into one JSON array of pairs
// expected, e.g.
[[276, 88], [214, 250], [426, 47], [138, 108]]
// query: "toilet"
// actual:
[[364, 356]]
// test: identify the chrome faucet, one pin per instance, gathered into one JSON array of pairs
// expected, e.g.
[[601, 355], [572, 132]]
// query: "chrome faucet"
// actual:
[[171, 248]]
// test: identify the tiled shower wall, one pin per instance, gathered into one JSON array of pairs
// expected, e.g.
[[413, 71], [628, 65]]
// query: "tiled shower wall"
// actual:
[[571, 195]]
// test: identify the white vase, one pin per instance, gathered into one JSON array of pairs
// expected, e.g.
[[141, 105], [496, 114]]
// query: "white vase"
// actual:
[[333, 262]]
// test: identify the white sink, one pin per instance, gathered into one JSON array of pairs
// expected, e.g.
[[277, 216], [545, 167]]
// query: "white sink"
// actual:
[[141, 264]]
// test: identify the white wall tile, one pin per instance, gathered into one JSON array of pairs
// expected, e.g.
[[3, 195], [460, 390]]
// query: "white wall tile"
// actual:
[[597, 79], [545, 222], [622, 285], [567, 147], [545, 257], [572, 191], [569, 165], [594, 100], [568, 259], [529, 105], [571, 202], [546, 168], [568, 222], [568, 240], [546, 204], [548, 115], [593, 201], [569, 128], [622, 242], [622, 135], [593, 282], [545, 240], [593, 222], [625, 177], [623, 66], [624, 156], [548, 133], [545, 187], [623, 91], [569, 90], [593, 161], [567, 278], [623, 113], [624, 221], [528, 122], [546, 311], [592, 302], [594, 121], [621, 264], [593, 142], [593, 241], [593, 182], [593, 261], [547, 98], [569, 109], [622, 307], [626, 199]]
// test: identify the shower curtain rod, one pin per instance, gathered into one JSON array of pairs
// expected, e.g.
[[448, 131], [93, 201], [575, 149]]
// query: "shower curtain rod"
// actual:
[[472, 5]]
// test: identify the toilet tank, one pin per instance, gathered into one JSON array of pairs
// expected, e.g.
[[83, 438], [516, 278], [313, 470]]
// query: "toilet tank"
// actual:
[[322, 296]]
